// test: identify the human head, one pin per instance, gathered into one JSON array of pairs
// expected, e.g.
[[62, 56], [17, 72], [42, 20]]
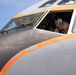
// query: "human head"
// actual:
[[58, 23]]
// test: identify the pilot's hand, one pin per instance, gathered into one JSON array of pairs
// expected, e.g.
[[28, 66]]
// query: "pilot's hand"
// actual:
[[56, 30]]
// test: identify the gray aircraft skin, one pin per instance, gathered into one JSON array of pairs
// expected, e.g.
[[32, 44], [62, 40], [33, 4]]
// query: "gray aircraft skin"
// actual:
[[12, 43], [58, 58], [37, 50]]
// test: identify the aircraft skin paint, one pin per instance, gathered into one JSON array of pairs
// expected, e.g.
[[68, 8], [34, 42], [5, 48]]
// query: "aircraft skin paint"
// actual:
[[22, 40], [35, 60], [36, 51]]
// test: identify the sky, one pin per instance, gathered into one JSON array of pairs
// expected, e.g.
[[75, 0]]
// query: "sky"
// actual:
[[9, 8]]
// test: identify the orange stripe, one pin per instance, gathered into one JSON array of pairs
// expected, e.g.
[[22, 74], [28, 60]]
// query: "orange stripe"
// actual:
[[42, 44], [54, 40], [11, 62], [66, 7], [18, 15]]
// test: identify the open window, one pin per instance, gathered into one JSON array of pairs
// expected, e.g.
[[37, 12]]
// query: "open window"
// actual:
[[48, 22]]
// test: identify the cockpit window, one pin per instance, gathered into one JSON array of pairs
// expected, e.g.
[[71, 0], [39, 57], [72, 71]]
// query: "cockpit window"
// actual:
[[67, 2], [11, 25], [57, 21], [47, 4], [25, 22]]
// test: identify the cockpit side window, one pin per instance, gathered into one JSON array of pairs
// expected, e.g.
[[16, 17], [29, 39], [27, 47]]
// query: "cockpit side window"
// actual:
[[12, 25], [57, 21], [25, 22]]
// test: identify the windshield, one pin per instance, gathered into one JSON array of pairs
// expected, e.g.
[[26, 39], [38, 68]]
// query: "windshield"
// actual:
[[25, 22], [67, 2], [48, 3]]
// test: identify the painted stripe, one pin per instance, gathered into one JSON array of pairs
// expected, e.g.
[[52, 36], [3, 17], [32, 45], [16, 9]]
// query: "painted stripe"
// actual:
[[39, 45], [18, 15], [43, 9], [66, 7]]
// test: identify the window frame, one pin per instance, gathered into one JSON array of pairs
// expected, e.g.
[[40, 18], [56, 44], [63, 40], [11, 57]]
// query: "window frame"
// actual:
[[3, 29], [70, 30], [70, 24], [74, 21]]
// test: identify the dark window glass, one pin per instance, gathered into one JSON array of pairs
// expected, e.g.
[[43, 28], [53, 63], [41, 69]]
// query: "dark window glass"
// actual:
[[47, 4], [67, 2]]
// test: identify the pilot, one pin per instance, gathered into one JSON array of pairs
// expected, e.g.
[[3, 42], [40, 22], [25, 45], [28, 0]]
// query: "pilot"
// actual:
[[61, 26], [58, 24]]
